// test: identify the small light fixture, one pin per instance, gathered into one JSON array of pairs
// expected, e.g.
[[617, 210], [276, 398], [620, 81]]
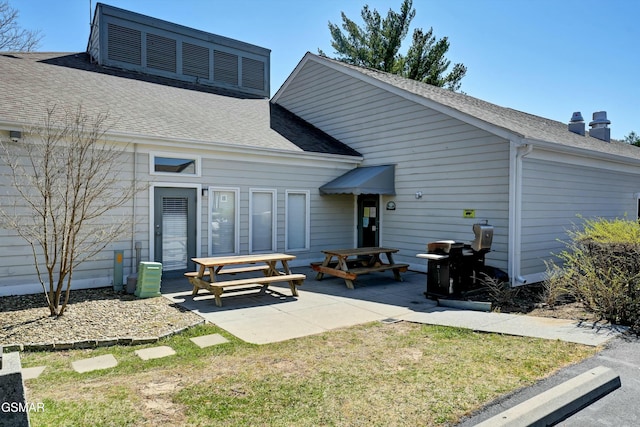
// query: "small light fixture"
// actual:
[[205, 192], [418, 194], [15, 135], [391, 205]]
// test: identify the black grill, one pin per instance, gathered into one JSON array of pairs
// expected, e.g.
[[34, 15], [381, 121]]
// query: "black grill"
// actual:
[[455, 267]]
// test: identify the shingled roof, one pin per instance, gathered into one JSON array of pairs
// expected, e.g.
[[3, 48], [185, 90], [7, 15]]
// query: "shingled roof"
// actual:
[[529, 127], [151, 107]]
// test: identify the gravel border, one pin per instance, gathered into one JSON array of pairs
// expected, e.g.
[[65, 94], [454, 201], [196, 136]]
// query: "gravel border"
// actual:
[[94, 318]]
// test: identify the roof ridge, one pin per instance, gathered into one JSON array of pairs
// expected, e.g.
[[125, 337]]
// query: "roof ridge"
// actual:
[[530, 126]]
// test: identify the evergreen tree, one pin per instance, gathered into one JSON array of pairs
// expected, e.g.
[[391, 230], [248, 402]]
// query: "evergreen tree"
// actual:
[[377, 45]]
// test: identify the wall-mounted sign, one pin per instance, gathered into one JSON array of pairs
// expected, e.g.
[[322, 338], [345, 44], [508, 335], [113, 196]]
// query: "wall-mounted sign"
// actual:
[[469, 213]]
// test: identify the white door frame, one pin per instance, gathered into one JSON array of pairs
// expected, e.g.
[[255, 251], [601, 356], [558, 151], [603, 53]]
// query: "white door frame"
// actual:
[[198, 188]]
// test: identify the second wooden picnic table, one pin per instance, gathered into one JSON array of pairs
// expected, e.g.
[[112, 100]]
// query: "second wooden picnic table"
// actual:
[[350, 263], [211, 267]]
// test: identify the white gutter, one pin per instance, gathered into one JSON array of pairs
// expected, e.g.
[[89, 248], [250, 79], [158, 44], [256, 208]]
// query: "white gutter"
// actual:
[[517, 151], [264, 154]]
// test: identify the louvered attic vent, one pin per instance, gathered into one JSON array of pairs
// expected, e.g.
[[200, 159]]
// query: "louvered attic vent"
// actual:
[[131, 41]]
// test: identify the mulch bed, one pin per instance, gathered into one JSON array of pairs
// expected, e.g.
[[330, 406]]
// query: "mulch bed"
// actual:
[[94, 317]]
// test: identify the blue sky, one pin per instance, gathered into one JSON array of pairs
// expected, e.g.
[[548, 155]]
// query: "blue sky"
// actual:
[[544, 57]]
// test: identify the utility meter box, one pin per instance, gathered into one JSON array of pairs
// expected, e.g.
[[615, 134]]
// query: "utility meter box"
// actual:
[[149, 277]]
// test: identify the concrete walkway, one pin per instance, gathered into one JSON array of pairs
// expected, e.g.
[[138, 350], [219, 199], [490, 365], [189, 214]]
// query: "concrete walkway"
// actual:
[[328, 304], [265, 317]]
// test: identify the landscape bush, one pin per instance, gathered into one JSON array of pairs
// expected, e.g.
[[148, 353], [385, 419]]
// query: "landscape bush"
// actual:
[[601, 268]]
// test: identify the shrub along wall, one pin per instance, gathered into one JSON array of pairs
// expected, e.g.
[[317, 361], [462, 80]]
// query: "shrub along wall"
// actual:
[[601, 268]]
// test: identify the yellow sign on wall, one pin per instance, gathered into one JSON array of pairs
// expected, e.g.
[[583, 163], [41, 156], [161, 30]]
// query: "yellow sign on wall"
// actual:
[[469, 213]]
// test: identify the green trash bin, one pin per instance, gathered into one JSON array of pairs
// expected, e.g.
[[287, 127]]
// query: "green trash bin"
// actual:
[[149, 277]]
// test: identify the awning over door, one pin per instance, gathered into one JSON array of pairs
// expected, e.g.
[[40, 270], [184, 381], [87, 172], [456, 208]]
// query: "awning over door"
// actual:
[[365, 180]]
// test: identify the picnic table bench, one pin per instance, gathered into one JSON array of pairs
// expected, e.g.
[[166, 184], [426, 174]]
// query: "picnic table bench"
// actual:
[[209, 268], [350, 263]]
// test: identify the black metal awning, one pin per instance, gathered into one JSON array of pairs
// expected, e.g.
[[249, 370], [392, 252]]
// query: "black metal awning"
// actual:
[[364, 180]]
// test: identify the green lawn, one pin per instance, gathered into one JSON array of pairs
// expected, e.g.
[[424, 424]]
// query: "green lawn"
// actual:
[[371, 375]]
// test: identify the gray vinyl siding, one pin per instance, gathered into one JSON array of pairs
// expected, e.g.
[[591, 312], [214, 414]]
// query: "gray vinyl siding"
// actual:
[[556, 195], [456, 166], [17, 265], [331, 225]]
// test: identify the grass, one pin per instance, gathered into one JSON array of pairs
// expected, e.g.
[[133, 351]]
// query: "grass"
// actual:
[[375, 375]]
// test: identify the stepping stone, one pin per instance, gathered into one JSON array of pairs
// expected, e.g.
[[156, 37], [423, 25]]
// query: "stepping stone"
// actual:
[[94, 363], [155, 352], [31, 373], [209, 340]]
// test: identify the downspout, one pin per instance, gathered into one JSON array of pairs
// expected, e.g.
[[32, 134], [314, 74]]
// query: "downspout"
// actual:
[[516, 153], [134, 207]]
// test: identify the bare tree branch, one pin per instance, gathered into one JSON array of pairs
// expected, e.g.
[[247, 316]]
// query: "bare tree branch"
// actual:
[[12, 37], [68, 180]]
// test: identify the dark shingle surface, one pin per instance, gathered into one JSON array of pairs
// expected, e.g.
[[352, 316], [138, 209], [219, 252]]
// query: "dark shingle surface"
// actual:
[[304, 135], [147, 107]]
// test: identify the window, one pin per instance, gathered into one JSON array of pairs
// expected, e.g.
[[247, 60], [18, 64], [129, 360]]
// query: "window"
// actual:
[[298, 219], [262, 224], [223, 221], [166, 164], [174, 233]]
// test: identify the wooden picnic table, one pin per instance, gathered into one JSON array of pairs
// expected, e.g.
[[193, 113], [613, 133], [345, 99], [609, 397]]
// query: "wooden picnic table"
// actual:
[[211, 268], [350, 263]]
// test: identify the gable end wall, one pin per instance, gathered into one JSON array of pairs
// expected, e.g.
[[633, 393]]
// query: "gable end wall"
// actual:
[[456, 166]]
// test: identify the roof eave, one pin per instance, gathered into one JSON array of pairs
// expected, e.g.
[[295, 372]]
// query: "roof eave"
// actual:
[[580, 151], [224, 147]]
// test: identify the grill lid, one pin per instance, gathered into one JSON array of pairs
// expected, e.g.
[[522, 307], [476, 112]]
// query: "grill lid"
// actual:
[[484, 237]]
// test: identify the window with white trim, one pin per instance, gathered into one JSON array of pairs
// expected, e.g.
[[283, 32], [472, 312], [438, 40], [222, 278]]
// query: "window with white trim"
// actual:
[[262, 224], [297, 220], [167, 164], [223, 221]]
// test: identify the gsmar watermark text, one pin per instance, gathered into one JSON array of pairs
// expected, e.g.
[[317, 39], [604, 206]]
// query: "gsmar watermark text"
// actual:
[[10, 407]]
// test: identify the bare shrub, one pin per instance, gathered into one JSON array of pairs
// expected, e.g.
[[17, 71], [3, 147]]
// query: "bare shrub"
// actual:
[[554, 287], [500, 293], [67, 182]]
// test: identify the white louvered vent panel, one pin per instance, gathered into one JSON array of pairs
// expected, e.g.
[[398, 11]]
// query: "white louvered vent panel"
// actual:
[[161, 53], [252, 73], [195, 60], [174, 233], [125, 44], [225, 67]]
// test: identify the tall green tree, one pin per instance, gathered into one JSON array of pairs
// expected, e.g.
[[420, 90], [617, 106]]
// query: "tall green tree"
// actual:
[[377, 45]]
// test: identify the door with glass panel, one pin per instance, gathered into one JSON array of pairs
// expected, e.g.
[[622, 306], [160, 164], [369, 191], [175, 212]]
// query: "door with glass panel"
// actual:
[[223, 229], [175, 229]]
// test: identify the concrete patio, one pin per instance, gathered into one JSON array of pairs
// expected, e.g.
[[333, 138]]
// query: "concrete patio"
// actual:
[[275, 315]]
